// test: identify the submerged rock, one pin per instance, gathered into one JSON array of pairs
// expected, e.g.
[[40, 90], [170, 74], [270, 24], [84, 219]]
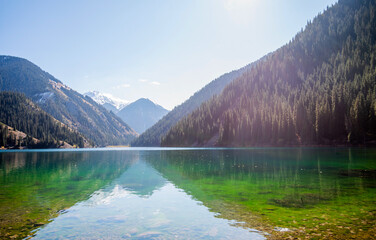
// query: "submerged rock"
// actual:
[[281, 229], [38, 224]]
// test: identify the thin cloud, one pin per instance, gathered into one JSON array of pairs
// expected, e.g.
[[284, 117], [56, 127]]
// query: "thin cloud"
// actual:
[[155, 83], [124, 85]]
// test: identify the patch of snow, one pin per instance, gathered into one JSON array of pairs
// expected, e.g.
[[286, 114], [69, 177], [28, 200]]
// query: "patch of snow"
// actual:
[[103, 98], [43, 97], [57, 85]]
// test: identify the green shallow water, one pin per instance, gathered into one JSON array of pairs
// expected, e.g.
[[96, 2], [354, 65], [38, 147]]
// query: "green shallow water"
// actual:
[[138, 193]]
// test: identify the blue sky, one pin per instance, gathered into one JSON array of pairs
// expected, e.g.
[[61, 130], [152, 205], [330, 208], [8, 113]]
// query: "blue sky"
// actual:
[[161, 50]]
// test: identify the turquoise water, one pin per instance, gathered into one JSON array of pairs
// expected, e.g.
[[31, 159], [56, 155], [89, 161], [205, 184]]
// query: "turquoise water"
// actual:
[[141, 193]]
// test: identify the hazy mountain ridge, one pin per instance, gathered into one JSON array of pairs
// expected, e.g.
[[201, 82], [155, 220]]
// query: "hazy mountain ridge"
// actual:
[[318, 89], [63, 103], [153, 135], [142, 114], [108, 101], [139, 115]]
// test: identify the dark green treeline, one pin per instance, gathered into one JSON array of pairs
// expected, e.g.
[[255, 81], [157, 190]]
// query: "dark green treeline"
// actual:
[[320, 88], [19, 112]]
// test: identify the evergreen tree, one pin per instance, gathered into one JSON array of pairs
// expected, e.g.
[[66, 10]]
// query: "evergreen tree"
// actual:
[[320, 88]]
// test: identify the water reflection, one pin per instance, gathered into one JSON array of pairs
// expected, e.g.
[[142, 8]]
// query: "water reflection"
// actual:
[[141, 179], [278, 185], [141, 204], [190, 194], [37, 186]]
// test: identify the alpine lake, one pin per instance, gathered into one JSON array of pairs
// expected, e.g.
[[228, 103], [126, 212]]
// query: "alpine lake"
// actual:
[[185, 193]]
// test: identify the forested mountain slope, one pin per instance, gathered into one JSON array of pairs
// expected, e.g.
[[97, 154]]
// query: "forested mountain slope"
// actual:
[[22, 114], [318, 89], [66, 105], [153, 135]]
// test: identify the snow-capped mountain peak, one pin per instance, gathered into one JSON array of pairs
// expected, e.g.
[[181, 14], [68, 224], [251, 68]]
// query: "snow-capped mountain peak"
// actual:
[[107, 98]]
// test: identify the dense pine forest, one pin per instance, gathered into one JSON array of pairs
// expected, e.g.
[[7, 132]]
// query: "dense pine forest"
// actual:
[[22, 114], [153, 135], [320, 88], [63, 103]]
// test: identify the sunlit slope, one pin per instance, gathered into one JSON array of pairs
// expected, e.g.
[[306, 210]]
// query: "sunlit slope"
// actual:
[[320, 88], [63, 103], [153, 135]]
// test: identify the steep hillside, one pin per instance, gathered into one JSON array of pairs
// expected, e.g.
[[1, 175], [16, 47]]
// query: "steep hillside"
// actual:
[[152, 136], [66, 105], [12, 138], [25, 124], [142, 114], [318, 89]]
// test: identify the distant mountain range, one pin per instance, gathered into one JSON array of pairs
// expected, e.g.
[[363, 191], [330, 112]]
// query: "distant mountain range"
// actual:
[[108, 101], [142, 114], [78, 112], [320, 88], [139, 115]]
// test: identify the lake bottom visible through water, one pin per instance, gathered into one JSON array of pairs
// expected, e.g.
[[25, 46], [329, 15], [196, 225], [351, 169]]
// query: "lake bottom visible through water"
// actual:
[[132, 193]]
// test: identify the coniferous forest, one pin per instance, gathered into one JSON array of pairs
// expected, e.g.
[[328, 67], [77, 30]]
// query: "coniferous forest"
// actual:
[[320, 88], [281, 148], [153, 135], [22, 114], [66, 105]]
